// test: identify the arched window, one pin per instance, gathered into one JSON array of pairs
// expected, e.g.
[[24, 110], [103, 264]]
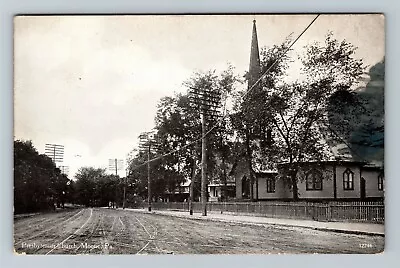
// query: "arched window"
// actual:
[[380, 181], [348, 180], [314, 180], [271, 185]]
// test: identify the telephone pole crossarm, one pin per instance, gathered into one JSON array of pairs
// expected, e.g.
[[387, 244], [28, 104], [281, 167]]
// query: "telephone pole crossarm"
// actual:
[[208, 101], [148, 141]]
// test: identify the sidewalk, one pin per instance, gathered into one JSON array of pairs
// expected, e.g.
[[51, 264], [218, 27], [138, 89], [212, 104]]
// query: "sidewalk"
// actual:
[[340, 227]]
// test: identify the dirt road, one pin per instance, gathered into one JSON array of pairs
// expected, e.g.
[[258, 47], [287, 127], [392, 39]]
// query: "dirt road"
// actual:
[[108, 231]]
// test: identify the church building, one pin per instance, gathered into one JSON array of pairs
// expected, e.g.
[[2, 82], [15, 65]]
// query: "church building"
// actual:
[[340, 177]]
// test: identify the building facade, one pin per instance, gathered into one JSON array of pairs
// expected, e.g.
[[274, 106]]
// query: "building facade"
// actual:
[[330, 180]]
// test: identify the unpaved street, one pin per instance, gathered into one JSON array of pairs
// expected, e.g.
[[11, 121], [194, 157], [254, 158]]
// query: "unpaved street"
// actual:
[[108, 231]]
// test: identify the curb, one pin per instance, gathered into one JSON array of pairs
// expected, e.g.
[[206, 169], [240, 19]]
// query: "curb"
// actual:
[[356, 232], [22, 216], [346, 231]]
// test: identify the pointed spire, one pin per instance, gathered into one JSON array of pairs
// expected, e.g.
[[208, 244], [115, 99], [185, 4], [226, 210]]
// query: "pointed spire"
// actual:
[[254, 68]]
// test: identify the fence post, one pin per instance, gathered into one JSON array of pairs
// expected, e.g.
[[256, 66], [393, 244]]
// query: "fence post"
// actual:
[[313, 211]]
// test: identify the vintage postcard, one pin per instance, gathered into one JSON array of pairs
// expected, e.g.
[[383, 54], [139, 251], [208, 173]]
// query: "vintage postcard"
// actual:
[[199, 134]]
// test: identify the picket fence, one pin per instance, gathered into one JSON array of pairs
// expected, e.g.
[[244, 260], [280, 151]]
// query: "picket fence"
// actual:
[[372, 211]]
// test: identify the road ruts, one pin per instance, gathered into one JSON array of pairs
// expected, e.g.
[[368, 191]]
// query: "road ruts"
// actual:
[[33, 239], [30, 228], [110, 231]]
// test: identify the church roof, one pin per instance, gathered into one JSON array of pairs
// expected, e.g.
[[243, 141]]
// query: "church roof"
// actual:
[[254, 66]]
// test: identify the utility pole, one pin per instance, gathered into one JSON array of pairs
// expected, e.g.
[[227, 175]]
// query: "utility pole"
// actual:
[[55, 152], [208, 101], [148, 179], [64, 170], [115, 165], [146, 142], [203, 165], [124, 197], [191, 188], [116, 185]]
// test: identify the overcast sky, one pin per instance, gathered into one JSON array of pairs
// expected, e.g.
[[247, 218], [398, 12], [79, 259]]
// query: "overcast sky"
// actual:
[[92, 83]]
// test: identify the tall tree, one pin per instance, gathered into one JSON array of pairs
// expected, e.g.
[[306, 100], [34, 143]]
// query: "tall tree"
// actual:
[[36, 179], [357, 116], [177, 126], [299, 110]]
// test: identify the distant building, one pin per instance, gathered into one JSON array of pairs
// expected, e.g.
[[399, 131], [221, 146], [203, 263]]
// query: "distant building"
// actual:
[[179, 194], [215, 190]]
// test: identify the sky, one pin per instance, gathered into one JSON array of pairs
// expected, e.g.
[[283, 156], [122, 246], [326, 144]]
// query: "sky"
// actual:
[[92, 83]]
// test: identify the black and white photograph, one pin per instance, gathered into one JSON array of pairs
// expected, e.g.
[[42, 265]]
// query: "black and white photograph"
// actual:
[[199, 134]]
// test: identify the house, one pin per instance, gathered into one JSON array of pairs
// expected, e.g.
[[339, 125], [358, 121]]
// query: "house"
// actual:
[[179, 194], [215, 190]]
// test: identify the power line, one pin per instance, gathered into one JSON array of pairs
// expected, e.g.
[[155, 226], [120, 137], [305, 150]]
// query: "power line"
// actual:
[[283, 53], [223, 117]]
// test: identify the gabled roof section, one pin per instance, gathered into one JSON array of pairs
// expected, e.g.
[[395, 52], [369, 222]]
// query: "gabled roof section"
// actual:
[[333, 150]]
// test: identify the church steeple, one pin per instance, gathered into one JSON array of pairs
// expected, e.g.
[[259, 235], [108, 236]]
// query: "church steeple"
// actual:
[[254, 68]]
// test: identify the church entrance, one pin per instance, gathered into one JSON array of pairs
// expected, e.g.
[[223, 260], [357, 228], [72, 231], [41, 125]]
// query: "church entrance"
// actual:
[[245, 187], [362, 188]]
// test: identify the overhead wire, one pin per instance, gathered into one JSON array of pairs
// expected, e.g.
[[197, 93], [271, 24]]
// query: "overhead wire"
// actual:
[[245, 95], [279, 57]]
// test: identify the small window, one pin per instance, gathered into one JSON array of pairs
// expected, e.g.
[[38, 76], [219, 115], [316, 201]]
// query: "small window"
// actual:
[[271, 185], [348, 180], [314, 181], [380, 182]]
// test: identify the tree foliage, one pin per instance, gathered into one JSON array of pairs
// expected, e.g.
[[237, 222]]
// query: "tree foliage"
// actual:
[[296, 111], [94, 187], [38, 184], [358, 116], [177, 127]]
